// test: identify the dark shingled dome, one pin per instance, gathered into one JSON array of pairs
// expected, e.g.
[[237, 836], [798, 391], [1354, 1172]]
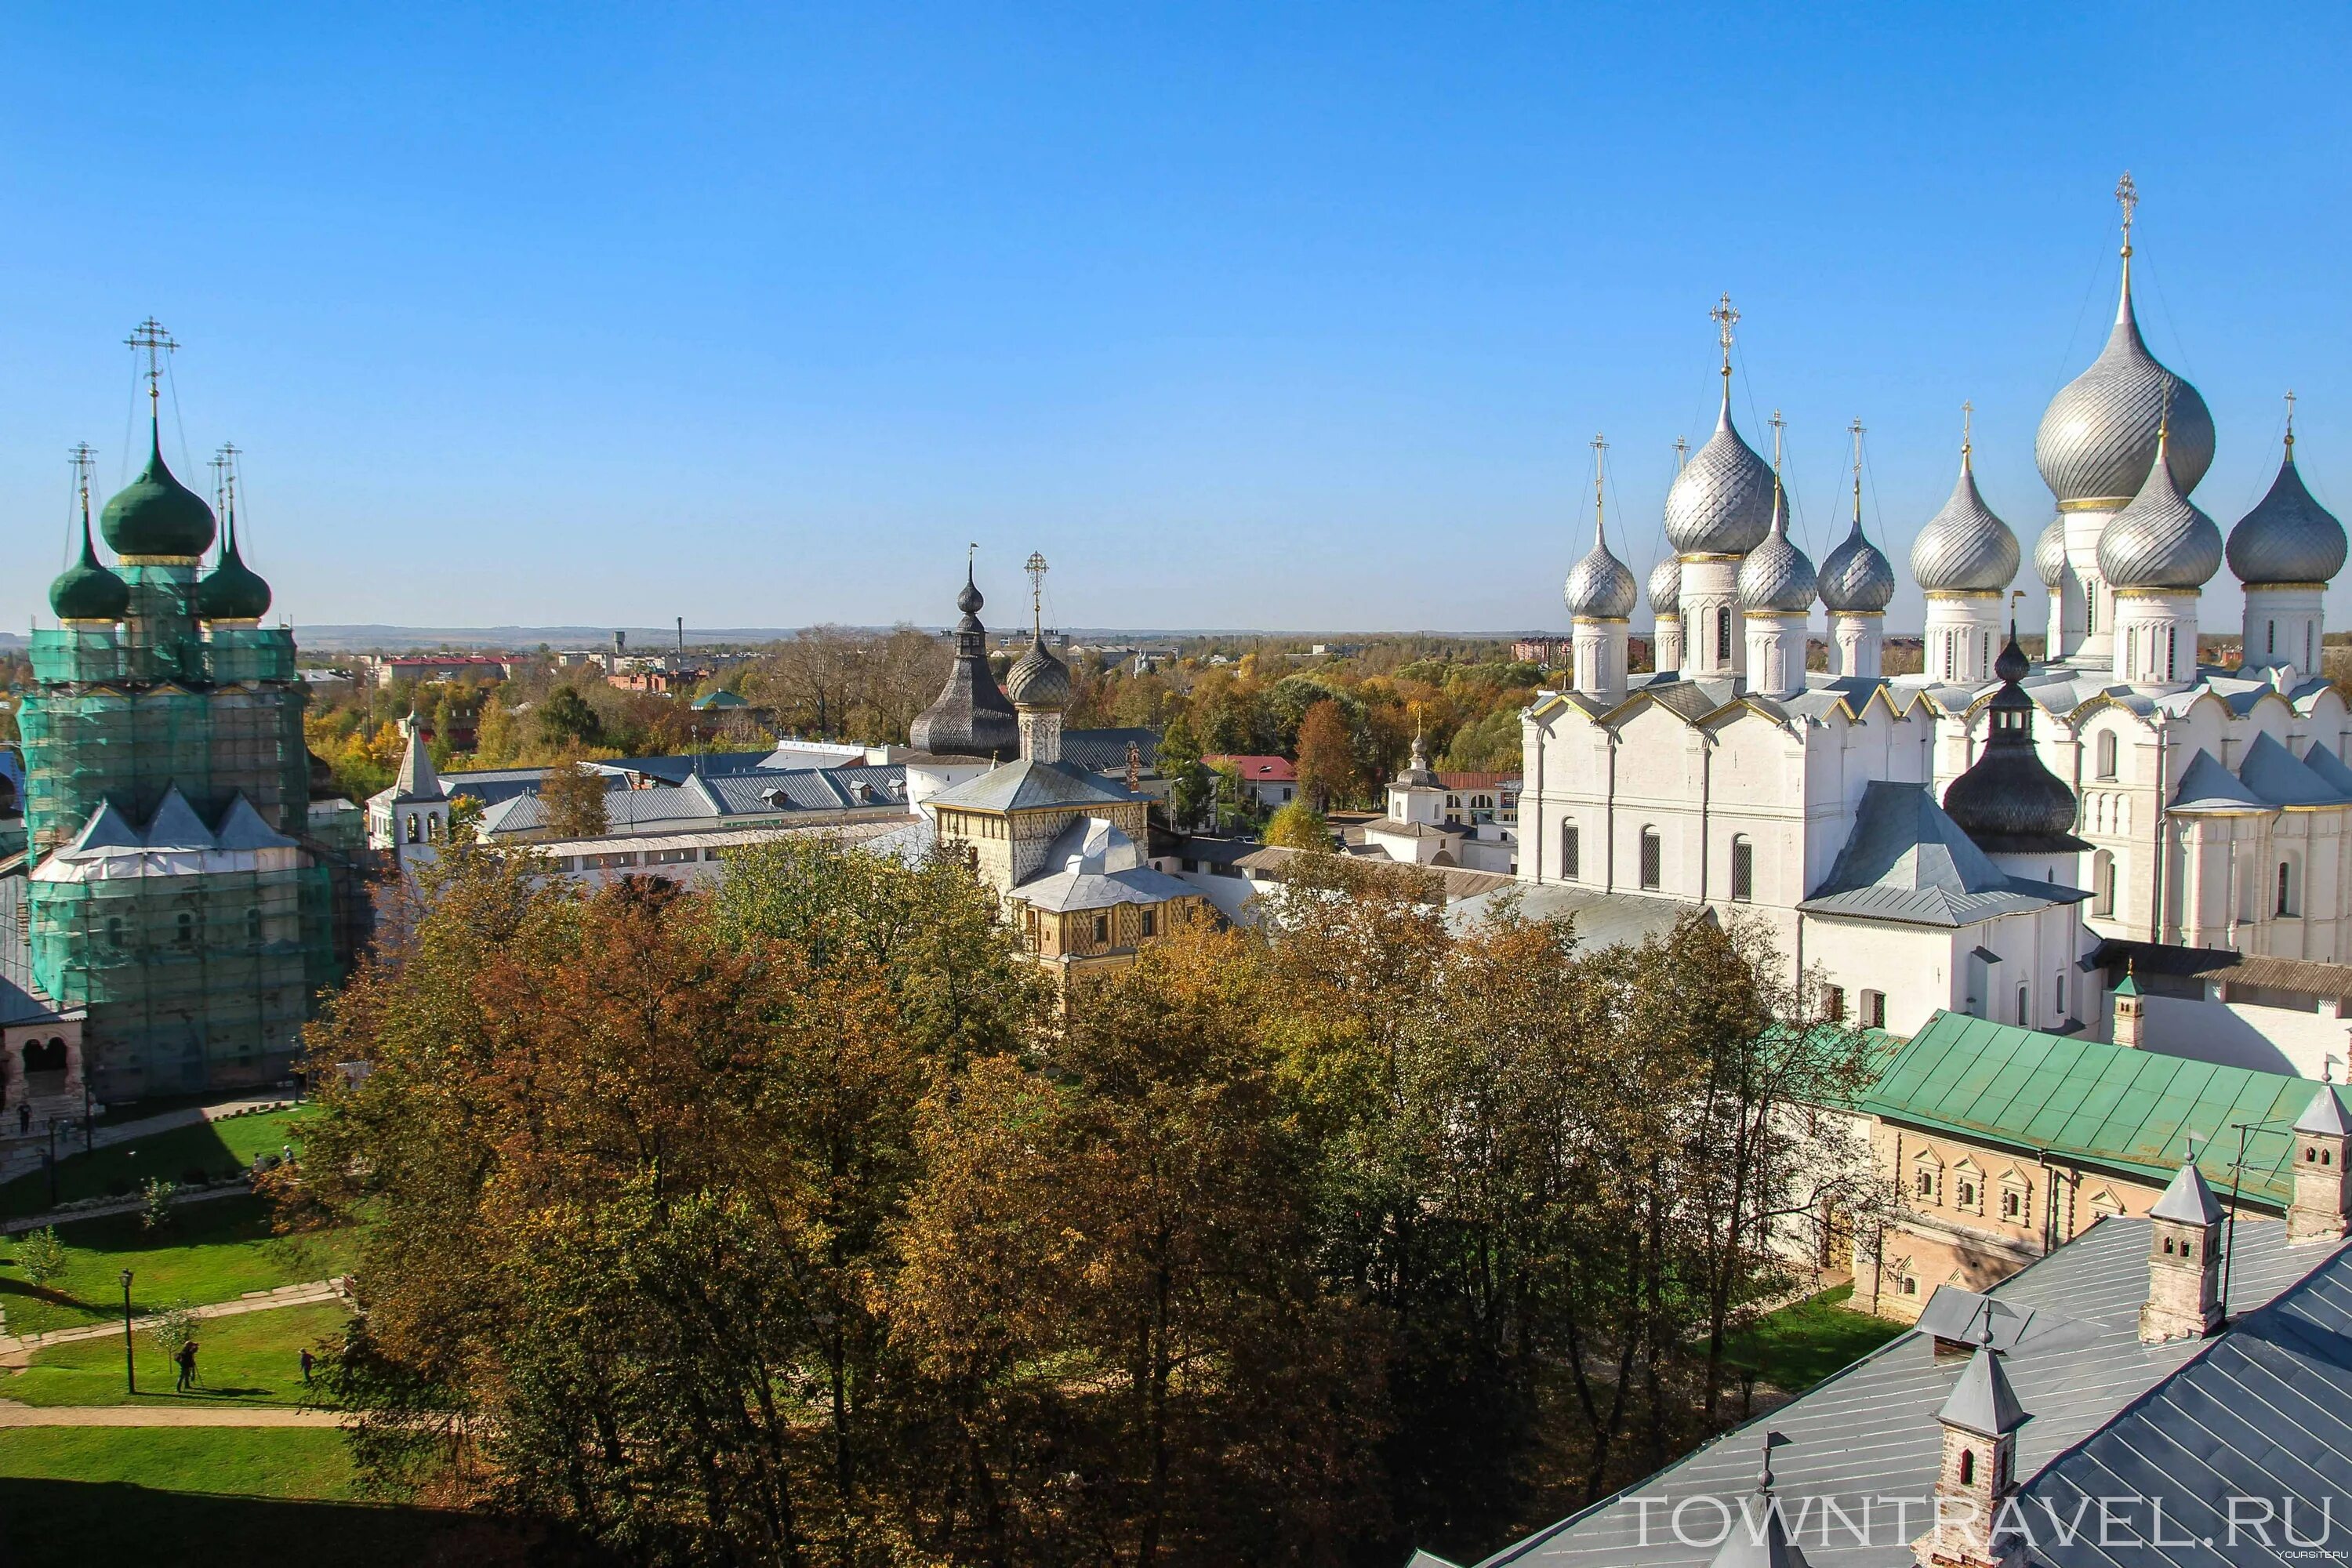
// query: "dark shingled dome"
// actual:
[[2009, 802], [86, 591], [232, 591], [970, 717], [155, 514]]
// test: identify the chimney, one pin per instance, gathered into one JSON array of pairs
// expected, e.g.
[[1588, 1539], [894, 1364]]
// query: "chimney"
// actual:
[[2322, 1136], [2130, 1011], [1758, 1536], [1978, 1470], [2184, 1262]]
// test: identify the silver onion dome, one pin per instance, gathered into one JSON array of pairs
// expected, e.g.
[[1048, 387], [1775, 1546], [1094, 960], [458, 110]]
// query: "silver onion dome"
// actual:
[[1777, 578], [1601, 587], [2050, 552], [2159, 541], [1964, 548], [1721, 502], [1857, 577], [2098, 435], [1040, 680], [2288, 537], [1667, 588]]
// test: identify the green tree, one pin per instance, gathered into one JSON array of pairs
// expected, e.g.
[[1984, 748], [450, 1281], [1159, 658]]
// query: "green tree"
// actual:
[[41, 1256], [566, 719], [572, 796]]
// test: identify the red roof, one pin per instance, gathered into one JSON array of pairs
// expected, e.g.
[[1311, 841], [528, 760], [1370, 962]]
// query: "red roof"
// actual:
[[1259, 770], [1477, 780]]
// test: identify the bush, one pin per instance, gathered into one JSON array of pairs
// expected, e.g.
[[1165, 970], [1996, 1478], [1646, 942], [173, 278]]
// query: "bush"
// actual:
[[157, 1194], [172, 1327], [41, 1256]]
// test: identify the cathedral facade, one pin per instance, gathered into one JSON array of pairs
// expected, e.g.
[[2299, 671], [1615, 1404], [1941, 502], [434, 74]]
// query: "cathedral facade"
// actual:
[[2120, 788]]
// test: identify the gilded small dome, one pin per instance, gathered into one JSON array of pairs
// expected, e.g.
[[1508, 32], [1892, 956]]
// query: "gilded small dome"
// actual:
[[1040, 679], [2098, 435], [2050, 552], [86, 591], [1667, 588], [1964, 548], [1777, 578], [1599, 587], [2288, 537], [155, 514], [2159, 541], [1721, 502], [1857, 577]]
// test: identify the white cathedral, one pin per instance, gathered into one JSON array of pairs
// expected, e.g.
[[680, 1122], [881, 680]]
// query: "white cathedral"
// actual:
[[1962, 839]]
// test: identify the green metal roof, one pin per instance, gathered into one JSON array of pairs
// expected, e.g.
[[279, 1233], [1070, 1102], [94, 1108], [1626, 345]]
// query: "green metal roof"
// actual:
[[2084, 1100]]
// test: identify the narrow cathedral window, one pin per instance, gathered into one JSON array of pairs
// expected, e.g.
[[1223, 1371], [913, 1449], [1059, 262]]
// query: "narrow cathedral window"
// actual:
[[1743, 869], [2286, 888], [1652, 855], [2023, 1016], [1723, 635], [1568, 851]]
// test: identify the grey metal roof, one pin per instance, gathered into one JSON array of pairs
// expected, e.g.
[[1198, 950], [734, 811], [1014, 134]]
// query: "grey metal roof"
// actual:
[[1063, 890], [1019, 785], [1105, 750], [1870, 1431], [1777, 577], [1856, 575], [1666, 587], [2288, 537], [2188, 1200], [2161, 539], [1600, 586], [2272, 772], [2329, 768], [1600, 920], [2207, 786], [1908, 862], [720, 800], [2325, 1115], [2050, 552], [1965, 548], [1721, 502], [1983, 1401], [2097, 438]]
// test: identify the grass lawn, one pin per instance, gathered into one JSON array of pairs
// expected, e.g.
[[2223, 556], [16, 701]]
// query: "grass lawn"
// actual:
[[254, 1358], [1800, 1344], [213, 1251], [191, 1496], [215, 1148]]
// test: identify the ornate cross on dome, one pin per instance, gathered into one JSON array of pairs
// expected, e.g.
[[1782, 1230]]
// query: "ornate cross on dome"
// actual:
[[1036, 567], [1725, 318], [225, 478], [1856, 429], [1682, 452], [84, 457], [2290, 419], [1968, 420], [1599, 459], [2127, 198], [148, 335], [1778, 425]]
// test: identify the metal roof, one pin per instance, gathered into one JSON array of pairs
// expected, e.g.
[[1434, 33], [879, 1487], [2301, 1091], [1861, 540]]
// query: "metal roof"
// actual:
[[2308, 975], [2206, 785], [1019, 787], [1908, 862], [2130, 1110], [2100, 1405], [2274, 773], [1600, 920]]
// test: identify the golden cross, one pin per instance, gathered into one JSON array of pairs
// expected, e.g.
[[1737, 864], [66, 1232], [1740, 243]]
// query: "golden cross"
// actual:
[[1725, 318], [1968, 420], [1036, 567], [2127, 198], [84, 458], [1599, 450], [151, 336]]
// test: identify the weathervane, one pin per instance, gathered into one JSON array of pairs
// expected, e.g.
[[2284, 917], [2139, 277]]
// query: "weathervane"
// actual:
[[1725, 318], [149, 336], [1036, 567]]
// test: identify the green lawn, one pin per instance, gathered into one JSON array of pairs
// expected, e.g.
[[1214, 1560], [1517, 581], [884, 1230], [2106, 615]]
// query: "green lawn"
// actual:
[[1798, 1345], [192, 1497], [213, 1251], [254, 1358], [217, 1148]]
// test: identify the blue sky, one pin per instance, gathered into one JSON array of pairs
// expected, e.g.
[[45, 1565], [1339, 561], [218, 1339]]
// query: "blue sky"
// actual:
[[1295, 317]]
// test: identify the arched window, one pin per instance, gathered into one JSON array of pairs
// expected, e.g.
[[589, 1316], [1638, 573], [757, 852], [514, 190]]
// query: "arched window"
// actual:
[[2102, 884], [2024, 1013], [2269, 637], [412, 830], [2106, 752], [1571, 852], [1743, 868], [1652, 858], [2286, 888], [1968, 1466], [1723, 635], [433, 828], [186, 934], [2090, 608]]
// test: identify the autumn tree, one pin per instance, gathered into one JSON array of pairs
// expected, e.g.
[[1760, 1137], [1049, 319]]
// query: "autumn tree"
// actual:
[[572, 796], [1299, 826], [1326, 758]]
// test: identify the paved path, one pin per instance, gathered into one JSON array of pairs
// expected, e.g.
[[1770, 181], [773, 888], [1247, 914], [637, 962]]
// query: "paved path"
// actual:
[[23, 1155], [14, 1414], [16, 1349]]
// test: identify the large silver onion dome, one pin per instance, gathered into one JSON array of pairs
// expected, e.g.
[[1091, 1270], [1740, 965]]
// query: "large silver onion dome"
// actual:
[[1667, 588], [1721, 503], [1857, 577], [1964, 548], [2050, 552], [2098, 435], [1777, 578], [2288, 537], [2159, 541], [1599, 587]]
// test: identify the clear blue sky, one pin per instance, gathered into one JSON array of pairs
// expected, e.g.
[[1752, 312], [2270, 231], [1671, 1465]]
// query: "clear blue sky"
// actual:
[[1277, 316]]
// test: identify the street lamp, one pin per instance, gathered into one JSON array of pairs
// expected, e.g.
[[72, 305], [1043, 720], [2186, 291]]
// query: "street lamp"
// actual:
[[129, 1367]]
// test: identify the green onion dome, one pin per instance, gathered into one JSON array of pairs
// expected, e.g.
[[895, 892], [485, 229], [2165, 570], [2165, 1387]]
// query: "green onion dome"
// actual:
[[155, 514], [232, 591], [86, 591]]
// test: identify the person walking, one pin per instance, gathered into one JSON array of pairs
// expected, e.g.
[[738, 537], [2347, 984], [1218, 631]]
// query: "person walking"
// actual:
[[307, 1364], [187, 1360]]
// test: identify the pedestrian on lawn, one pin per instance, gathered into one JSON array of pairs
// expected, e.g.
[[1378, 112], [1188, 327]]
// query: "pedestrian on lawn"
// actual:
[[187, 1359], [306, 1366]]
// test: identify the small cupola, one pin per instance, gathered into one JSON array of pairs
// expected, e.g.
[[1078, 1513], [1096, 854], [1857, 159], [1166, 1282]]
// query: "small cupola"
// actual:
[[1039, 685], [1978, 1471], [2323, 1135], [231, 590], [2009, 801], [155, 514], [86, 593], [2184, 1261]]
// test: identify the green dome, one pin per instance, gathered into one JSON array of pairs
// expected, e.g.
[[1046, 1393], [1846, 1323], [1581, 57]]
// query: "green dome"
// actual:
[[155, 514], [86, 591], [232, 591]]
